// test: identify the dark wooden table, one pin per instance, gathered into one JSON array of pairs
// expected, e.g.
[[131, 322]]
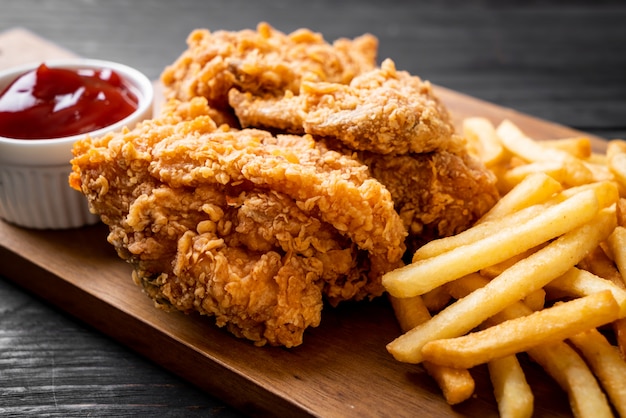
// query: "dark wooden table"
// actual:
[[562, 62]]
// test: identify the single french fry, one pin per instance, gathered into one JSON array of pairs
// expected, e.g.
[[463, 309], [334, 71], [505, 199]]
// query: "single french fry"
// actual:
[[615, 146], [621, 212], [571, 372], [512, 177], [598, 263], [512, 392], [579, 147], [619, 328], [436, 299], [476, 233], [599, 172], [409, 312], [617, 246], [606, 192], [482, 133], [457, 385], [497, 269], [597, 158], [424, 275], [512, 285], [606, 363], [534, 189], [530, 150], [536, 300], [616, 156], [462, 287], [520, 334], [577, 282]]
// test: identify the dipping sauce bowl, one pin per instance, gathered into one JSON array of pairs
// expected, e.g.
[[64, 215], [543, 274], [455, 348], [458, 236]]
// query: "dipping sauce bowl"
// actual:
[[64, 100]]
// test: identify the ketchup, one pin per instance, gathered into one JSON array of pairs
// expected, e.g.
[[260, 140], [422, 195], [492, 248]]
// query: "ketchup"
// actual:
[[58, 102]]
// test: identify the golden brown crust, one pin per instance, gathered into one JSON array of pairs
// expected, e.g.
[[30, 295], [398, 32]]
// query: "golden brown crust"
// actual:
[[383, 111], [256, 227], [248, 227], [264, 61]]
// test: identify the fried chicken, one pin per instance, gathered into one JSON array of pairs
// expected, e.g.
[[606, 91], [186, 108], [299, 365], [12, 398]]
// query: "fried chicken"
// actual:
[[265, 61], [437, 194], [252, 228], [394, 124], [389, 119], [382, 110], [284, 172]]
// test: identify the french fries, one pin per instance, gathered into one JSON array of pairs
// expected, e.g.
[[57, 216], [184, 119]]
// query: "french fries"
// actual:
[[617, 245], [579, 147], [457, 385], [520, 334], [513, 139], [607, 365], [504, 242], [481, 136], [559, 360], [513, 394], [571, 372], [512, 285], [541, 272]]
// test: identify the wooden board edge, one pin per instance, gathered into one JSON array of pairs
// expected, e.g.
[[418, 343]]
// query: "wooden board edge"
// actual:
[[163, 350]]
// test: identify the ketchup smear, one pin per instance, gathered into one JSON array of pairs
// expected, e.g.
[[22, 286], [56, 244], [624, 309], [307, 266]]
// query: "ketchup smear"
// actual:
[[58, 102]]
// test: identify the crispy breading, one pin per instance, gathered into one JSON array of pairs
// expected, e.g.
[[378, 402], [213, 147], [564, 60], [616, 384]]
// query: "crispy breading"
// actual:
[[383, 111], [389, 118], [263, 62], [437, 194], [251, 228], [340, 166]]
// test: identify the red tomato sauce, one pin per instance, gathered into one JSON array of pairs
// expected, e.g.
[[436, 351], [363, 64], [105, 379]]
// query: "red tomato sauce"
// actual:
[[58, 102]]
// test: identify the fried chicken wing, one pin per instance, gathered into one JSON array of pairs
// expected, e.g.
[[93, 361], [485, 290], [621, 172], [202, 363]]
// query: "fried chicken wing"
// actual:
[[251, 228]]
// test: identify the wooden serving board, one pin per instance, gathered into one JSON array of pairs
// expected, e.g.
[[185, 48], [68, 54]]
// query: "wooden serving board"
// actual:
[[341, 370]]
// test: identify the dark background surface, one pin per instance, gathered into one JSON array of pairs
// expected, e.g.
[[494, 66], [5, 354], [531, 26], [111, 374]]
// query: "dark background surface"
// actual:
[[560, 61]]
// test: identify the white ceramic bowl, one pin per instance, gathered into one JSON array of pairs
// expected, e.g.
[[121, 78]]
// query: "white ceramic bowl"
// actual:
[[34, 188]]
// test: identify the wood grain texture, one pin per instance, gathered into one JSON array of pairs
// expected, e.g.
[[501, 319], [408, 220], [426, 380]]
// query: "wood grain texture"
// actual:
[[561, 62]]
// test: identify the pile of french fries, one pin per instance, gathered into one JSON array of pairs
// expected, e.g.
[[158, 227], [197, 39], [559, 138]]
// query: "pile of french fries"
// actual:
[[543, 273]]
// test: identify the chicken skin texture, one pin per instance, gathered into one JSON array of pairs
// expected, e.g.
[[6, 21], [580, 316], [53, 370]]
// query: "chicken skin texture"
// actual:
[[283, 172], [252, 228], [437, 194], [391, 120], [395, 125], [384, 111], [265, 61]]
